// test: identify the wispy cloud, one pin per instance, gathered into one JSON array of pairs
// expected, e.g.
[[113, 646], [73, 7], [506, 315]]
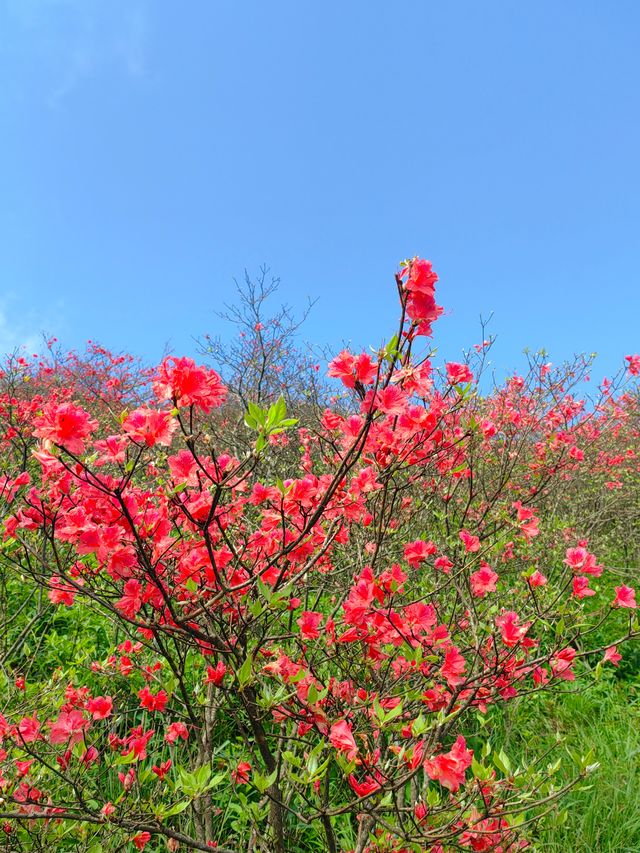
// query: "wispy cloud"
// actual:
[[74, 40], [23, 329]]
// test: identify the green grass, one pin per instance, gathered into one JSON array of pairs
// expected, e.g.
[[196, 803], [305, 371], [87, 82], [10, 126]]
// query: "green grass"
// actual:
[[604, 814]]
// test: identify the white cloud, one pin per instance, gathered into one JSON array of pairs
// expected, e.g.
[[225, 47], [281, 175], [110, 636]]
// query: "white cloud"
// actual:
[[22, 329]]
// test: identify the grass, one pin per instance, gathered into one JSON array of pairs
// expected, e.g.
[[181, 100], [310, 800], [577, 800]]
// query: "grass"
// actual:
[[604, 814]]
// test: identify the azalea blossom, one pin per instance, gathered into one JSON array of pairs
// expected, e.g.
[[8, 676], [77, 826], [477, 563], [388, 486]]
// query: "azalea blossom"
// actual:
[[625, 597], [342, 738], [449, 768]]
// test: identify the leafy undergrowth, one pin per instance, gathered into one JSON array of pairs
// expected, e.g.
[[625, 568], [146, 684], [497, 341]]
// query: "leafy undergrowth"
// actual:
[[604, 813]]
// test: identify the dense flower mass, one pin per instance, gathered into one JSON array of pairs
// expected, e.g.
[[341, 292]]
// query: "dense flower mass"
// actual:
[[187, 384], [309, 624]]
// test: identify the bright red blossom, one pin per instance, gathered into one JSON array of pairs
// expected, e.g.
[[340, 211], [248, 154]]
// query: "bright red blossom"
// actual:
[[625, 597], [188, 384], [449, 768], [341, 736], [65, 424]]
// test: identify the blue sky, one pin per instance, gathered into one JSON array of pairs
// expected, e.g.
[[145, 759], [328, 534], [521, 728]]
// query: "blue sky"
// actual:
[[153, 150]]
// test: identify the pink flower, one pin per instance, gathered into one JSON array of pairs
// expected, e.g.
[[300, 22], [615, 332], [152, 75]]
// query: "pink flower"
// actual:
[[581, 587], [66, 425], [309, 624], [576, 557], [634, 364], [449, 768], [625, 597], [537, 579], [187, 384], [100, 707], [458, 374], [483, 581], [60, 592], [443, 563], [418, 551], [175, 731], [471, 543], [341, 736], [612, 655], [352, 369], [29, 729], [150, 426], [562, 662], [68, 728], [511, 629]]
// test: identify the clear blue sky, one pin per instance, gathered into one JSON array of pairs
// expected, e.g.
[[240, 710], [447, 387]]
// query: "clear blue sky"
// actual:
[[152, 150]]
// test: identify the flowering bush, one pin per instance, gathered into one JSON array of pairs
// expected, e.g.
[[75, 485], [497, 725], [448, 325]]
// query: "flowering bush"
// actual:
[[308, 644]]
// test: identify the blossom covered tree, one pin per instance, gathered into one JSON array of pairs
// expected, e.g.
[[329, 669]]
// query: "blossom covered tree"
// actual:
[[309, 637]]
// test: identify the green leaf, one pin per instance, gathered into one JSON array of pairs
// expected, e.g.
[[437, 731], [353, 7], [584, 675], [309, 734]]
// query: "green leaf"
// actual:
[[258, 414], [244, 673], [263, 783], [502, 762], [178, 808]]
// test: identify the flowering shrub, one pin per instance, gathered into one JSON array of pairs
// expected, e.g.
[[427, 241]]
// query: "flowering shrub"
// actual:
[[308, 644]]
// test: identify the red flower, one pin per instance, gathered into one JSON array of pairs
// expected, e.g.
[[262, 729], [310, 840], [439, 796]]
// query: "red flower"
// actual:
[[141, 840], [240, 776], [625, 597], [162, 770], [216, 673], [453, 667], [342, 738], [100, 707], [483, 581], [471, 543], [418, 551], [131, 601], [634, 364], [65, 424], [450, 767], [352, 369], [421, 278], [60, 593], [612, 655], [187, 384], [458, 374], [309, 622], [364, 788], [153, 701], [419, 285], [150, 426]]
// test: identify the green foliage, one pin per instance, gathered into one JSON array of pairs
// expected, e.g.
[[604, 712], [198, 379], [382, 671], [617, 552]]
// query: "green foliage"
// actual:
[[603, 813]]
